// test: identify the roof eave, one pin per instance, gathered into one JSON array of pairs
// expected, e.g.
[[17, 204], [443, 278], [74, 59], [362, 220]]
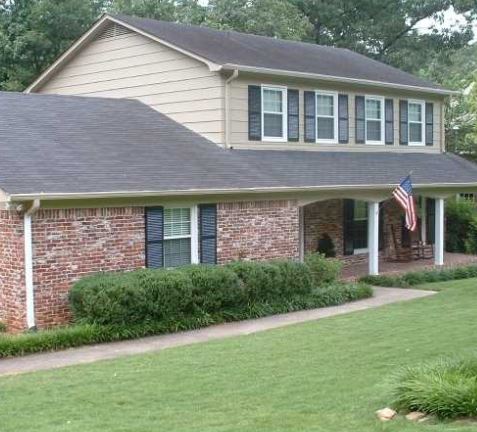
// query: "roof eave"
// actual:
[[331, 78], [225, 191]]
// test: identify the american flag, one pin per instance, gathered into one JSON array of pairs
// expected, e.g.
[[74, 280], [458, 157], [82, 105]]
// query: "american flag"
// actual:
[[403, 194]]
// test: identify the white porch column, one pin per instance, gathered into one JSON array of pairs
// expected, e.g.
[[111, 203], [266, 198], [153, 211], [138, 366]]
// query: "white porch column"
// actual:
[[373, 237], [439, 246]]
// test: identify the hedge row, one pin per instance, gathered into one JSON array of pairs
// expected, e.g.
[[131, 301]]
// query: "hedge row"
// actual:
[[146, 296], [84, 334], [421, 277]]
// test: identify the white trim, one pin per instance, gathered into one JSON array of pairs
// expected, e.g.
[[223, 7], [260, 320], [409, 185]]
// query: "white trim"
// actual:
[[439, 232], [360, 251], [192, 192], [284, 113], [289, 73], [423, 123], [335, 117], [194, 231], [381, 110]]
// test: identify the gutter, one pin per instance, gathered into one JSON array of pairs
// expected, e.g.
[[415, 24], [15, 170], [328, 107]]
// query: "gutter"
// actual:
[[331, 78], [30, 292], [228, 82], [229, 191]]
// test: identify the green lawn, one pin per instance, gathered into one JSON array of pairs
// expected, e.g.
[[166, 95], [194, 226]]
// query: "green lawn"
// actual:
[[330, 375]]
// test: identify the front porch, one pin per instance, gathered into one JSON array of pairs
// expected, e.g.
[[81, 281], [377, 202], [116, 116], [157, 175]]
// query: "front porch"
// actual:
[[360, 269], [369, 235]]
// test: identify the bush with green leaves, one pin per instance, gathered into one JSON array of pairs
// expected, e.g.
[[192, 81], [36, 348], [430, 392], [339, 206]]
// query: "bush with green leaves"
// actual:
[[422, 277], [446, 388], [470, 243], [84, 333], [460, 216], [3, 327], [324, 270]]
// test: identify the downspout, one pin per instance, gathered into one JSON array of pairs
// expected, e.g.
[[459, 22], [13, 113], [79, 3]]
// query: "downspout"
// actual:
[[228, 81], [30, 293]]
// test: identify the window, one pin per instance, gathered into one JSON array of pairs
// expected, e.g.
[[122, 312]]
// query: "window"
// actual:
[[274, 107], [326, 117], [177, 236], [374, 115], [416, 122], [360, 229]]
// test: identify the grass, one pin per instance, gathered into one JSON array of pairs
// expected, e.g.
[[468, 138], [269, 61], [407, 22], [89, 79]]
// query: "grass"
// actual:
[[328, 376]]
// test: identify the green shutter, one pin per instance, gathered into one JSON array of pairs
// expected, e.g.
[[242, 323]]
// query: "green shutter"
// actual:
[[293, 115], [154, 237], [348, 227], [403, 123], [389, 121], [254, 113], [429, 124], [208, 233], [310, 116], [360, 119], [343, 122]]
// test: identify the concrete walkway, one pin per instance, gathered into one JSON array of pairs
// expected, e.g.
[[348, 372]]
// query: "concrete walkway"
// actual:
[[92, 353]]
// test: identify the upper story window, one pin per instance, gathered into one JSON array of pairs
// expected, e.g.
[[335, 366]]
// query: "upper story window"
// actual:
[[326, 117], [374, 120], [274, 108], [416, 122]]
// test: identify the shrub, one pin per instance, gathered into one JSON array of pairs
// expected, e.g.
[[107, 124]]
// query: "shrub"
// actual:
[[3, 327], [295, 278], [470, 243], [447, 388], [324, 270], [460, 216], [261, 280], [326, 246], [215, 288], [417, 278]]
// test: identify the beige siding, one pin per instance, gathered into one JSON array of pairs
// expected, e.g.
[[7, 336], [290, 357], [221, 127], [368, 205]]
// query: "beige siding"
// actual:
[[239, 116], [133, 66]]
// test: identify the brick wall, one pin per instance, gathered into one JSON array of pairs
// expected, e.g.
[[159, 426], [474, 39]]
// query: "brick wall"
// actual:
[[327, 217], [12, 279], [69, 244], [257, 230]]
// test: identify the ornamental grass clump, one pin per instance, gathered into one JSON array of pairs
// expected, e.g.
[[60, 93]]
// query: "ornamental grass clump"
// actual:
[[446, 388]]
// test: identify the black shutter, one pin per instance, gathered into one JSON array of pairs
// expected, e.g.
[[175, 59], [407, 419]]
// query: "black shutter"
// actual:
[[389, 121], [310, 116], [429, 123], [403, 123], [430, 220], [360, 119], [381, 240], [154, 237], [348, 227], [293, 115], [208, 233], [254, 113], [343, 123]]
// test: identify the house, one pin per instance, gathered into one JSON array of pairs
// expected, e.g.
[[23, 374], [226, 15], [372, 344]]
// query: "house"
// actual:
[[157, 144]]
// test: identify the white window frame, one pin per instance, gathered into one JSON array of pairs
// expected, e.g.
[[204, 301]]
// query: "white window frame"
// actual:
[[381, 101], [194, 231], [283, 90], [423, 122], [335, 117]]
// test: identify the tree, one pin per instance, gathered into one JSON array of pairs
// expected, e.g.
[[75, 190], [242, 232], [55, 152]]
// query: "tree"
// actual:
[[277, 18], [33, 33]]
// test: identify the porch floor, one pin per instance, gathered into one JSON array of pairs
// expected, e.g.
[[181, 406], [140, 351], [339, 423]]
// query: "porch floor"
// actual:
[[355, 271]]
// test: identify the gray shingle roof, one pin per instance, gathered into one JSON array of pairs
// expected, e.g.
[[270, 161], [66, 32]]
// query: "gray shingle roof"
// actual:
[[229, 47], [70, 144]]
